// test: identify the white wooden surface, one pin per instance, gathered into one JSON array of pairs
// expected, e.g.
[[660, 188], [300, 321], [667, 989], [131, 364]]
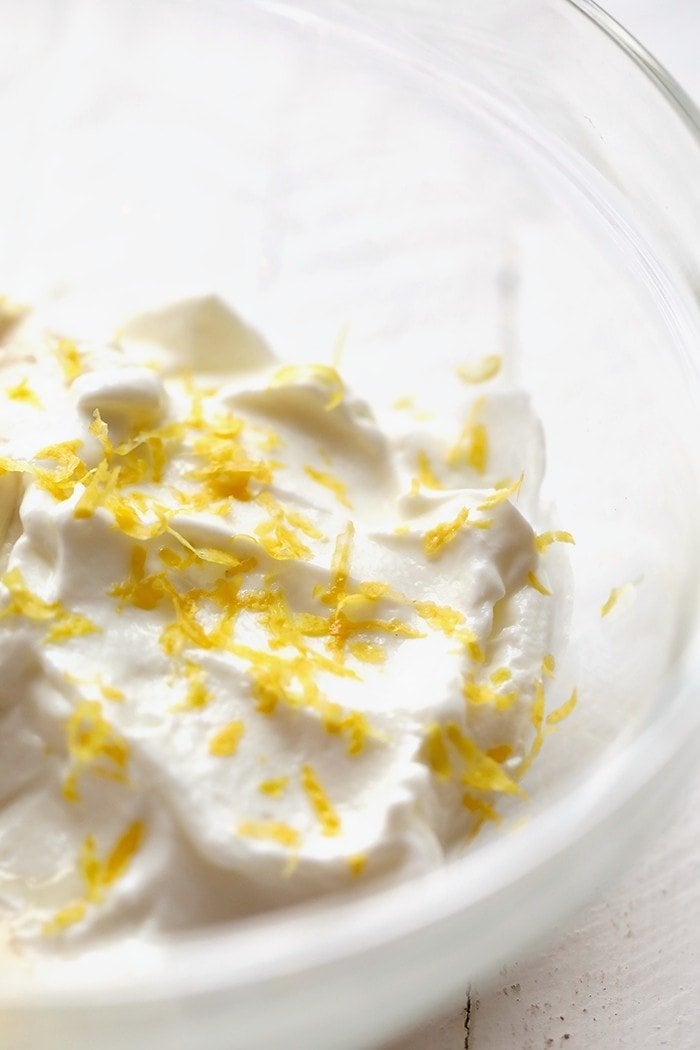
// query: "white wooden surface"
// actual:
[[624, 974]]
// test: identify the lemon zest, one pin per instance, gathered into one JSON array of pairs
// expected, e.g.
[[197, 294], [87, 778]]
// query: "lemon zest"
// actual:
[[330, 482], [357, 862], [479, 693], [224, 742], [94, 746], [273, 787], [320, 803], [537, 584], [368, 652], [425, 476], [548, 665], [435, 752], [70, 359], [22, 391], [65, 917], [501, 492], [98, 875], [482, 772], [472, 445], [270, 831], [546, 539], [24, 602], [613, 598], [481, 808], [480, 371], [562, 712], [197, 695], [437, 538]]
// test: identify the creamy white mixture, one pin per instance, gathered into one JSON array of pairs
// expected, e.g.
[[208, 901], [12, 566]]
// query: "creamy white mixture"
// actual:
[[257, 641]]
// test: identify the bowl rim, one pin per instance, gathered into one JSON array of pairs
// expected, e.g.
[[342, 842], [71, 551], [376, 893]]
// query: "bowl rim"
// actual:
[[312, 935]]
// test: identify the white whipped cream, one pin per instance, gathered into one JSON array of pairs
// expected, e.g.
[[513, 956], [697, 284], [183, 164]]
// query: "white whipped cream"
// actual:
[[257, 642]]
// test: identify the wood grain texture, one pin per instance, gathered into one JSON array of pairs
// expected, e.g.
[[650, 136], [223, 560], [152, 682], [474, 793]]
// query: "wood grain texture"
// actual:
[[623, 975]]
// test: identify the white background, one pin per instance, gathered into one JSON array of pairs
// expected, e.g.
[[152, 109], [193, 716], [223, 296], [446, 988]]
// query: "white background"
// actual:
[[624, 974]]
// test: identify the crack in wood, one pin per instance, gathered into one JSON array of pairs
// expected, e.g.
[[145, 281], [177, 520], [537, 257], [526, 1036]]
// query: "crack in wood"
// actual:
[[467, 1018]]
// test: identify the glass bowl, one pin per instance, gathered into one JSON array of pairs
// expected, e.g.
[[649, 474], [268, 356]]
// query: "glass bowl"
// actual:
[[515, 177]]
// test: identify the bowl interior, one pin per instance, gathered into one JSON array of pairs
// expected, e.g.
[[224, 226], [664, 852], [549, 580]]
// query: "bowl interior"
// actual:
[[321, 180]]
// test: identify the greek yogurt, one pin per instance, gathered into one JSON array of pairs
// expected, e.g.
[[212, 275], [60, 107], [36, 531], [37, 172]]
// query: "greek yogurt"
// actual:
[[259, 641]]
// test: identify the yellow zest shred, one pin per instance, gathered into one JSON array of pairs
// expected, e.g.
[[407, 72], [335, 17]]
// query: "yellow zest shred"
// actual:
[[425, 477], [99, 484], [501, 675], [441, 535], [500, 753], [368, 652], [501, 492], [546, 539], [357, 862], [435, 752], [65, 917], [280, 542], [480, 371], [59, 482], [94, 746], [99, 429], [482, 772], [475, 651], [330, 482], [24, 603], [548, 665], [70, 359], [352, 725], [324, 374], [449, 622], [110, 692], [481, 808], [71, 625], [274, 787], [472, 445], [139, 589], [441, 617], [299, 521], [562, 712], [224, 742], [213, 555], [613, 598], [22, 391], [340, 567], [227, 472], [479, 693], [320, 803], [197, 695], [98, 875], [270, 831], [533, 580]]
